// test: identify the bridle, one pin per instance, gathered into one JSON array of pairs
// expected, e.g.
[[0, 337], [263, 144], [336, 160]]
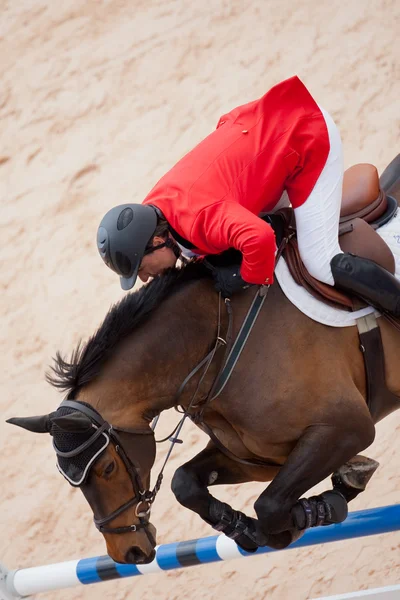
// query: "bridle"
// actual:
[[141, 497]]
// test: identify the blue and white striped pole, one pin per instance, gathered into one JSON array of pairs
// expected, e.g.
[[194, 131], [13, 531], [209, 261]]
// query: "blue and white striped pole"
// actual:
[[25, 582]]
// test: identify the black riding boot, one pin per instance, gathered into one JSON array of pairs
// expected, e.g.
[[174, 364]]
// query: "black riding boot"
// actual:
[[364, 278]]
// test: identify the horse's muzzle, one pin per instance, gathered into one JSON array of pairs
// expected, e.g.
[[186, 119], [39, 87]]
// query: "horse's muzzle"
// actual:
[[136, 556]]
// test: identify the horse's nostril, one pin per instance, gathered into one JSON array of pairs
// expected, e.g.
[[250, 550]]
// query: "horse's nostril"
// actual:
[[136, 556]]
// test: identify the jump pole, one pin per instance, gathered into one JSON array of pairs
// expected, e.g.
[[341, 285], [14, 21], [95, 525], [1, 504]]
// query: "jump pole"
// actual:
[[25, 582]]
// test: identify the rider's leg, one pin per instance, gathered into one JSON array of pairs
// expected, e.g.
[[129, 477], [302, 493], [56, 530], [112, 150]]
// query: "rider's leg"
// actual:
[[368, 280], [317, 222]]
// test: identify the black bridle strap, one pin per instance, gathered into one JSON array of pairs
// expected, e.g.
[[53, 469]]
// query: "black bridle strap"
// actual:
[[137, 484], [86, 410], [133, 431], [124, 528], [140, 494], [98, 419], [103, 521]]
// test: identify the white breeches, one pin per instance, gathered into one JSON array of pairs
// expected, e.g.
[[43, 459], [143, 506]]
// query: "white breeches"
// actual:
[[317, 220]]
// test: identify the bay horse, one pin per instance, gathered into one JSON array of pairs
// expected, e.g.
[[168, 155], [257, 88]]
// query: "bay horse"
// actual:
[[293, 412]]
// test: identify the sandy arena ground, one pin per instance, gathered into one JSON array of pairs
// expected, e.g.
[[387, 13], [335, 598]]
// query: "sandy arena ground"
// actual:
[[98, 99]]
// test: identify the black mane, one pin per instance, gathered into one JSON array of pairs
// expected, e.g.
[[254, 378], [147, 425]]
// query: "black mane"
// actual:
[[122, 318]]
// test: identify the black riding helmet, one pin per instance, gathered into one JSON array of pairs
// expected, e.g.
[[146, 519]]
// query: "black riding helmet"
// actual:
[[122, 237]]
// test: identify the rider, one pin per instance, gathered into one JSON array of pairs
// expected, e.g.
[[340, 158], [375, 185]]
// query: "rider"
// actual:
[[282, 145]]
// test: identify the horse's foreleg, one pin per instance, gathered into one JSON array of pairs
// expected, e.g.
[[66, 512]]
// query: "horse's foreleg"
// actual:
[[319, 452], [211, 467]]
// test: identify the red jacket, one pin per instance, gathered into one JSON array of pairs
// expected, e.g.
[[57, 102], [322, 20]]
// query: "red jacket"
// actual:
[[213, 195]]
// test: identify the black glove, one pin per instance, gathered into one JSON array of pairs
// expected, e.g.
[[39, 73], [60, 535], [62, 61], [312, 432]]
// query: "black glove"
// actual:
[[228, 280]]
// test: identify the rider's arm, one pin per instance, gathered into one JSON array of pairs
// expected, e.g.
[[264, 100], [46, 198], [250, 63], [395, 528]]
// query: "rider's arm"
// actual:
[[229, 225]]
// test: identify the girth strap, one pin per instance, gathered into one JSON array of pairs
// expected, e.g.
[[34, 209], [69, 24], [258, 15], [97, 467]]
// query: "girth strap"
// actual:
[[252, 462], [380, 400]]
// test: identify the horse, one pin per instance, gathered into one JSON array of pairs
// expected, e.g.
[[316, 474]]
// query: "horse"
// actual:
[[293, 412]]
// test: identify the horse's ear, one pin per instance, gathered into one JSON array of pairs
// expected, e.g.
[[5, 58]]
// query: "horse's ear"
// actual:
[[76, 422], [40, 424]]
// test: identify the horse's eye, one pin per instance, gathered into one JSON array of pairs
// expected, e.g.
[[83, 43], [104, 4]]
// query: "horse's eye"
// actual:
[[109, 468]]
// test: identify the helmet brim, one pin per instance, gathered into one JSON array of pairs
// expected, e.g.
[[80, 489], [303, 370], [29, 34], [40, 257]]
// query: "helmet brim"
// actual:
[[127, 283]]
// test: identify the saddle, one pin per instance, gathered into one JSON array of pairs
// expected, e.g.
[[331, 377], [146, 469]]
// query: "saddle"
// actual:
[[365, 208]]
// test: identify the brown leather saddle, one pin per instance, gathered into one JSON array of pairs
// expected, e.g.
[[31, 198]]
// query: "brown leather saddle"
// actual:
[[365, 207]]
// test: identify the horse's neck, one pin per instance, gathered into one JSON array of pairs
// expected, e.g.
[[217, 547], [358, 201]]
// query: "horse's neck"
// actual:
[[147, 369], [185, 330]]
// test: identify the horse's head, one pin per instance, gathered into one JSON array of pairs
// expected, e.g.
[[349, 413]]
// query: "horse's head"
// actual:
[[131, 379], [112, 468]]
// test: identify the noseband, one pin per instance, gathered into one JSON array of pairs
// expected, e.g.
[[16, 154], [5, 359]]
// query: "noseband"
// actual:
[[142, 498]]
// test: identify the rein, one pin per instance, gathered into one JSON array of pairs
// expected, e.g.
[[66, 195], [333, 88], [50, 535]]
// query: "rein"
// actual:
[[206, 361], [229, 361], [228, 364], [231, 357]]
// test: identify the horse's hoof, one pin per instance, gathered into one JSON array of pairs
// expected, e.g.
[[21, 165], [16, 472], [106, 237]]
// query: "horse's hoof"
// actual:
[[246, 543], [351, 478], [278, 541], [253, 537]]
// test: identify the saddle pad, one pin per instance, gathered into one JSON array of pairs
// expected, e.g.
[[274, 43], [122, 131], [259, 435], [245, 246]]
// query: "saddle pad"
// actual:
[[322, 313]]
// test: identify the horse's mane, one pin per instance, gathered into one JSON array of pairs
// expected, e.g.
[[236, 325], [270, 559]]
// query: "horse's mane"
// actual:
[[122, 318]]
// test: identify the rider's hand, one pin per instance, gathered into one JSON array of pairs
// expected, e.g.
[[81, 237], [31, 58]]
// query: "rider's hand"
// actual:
[[228, 280]]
